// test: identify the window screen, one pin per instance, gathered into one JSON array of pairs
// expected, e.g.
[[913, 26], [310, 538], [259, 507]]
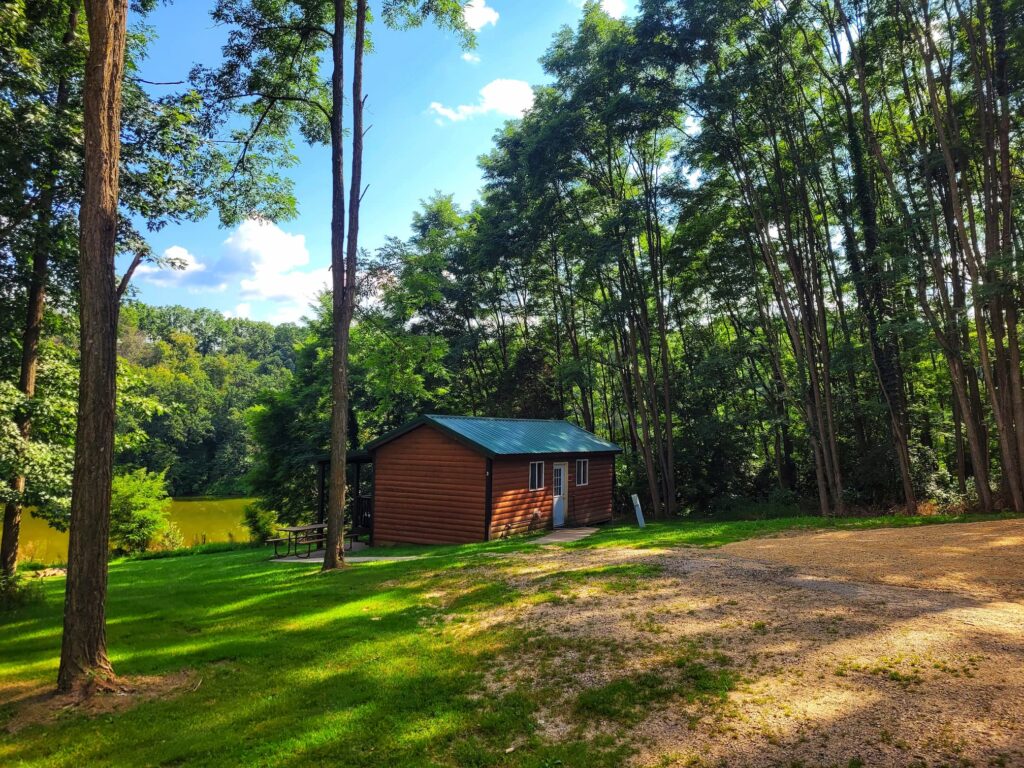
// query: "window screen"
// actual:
[[536, 475], [582, 471]]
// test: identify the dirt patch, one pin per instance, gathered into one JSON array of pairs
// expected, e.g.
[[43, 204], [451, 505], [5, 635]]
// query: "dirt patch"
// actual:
[[45, 573], [40, 705], [979, 559], [713, 659]]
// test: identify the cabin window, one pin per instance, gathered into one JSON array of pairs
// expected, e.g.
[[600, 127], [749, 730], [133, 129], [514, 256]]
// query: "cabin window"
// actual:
[[582, 471], [536, 475]]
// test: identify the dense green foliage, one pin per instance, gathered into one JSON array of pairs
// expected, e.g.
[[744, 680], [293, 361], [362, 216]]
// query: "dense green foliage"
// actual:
[[261, 522], [187, 380], [206, 371], [772, 250], [138, 513], [46, 459]]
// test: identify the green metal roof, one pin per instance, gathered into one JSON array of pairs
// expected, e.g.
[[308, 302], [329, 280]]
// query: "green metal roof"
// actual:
[[509, 437]]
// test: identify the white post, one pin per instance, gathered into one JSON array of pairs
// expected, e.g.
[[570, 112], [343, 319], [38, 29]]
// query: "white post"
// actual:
[[639, 512]]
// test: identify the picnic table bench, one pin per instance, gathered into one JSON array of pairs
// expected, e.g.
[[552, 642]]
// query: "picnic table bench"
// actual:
[[303, 540], [312, 537]]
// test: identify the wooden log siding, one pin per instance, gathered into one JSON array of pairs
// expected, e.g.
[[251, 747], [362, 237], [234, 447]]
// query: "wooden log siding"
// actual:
[[517, 509], [592, 503], [429, 489]]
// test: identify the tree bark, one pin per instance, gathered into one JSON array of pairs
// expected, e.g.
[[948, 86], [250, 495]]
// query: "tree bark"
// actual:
[[344, 270], [84, 647], [334, 547]]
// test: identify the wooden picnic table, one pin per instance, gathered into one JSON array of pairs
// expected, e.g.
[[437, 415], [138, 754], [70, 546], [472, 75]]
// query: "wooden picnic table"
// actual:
[[312, 536]]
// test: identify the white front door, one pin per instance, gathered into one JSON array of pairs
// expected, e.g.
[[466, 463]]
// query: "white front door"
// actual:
[[559, 490]]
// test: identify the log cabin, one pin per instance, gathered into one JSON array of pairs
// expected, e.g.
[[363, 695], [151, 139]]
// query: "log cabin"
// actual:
[[455, 479]]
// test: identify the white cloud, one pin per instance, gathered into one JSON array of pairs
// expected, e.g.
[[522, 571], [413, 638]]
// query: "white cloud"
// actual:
[[471, 57], [275, 259], [178, 267], [510, 98], [241, 310], [614, 8], [259, 260], [478, 15]]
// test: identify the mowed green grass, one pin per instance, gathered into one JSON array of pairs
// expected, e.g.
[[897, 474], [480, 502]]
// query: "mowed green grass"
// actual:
[[378, 665]]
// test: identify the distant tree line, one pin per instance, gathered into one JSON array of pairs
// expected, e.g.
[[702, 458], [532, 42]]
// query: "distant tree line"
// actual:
[[205, 371]]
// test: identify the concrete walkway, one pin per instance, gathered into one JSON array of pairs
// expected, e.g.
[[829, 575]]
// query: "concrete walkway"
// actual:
[[559, 536], [565, 536], [314, 560], [350, 557]]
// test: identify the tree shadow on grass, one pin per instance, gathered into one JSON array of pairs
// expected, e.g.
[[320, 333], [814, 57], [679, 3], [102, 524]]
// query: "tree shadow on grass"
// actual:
[[361, 667], [822, 671], [396, 663]]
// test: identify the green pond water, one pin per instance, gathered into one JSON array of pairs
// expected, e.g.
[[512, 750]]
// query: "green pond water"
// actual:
[[200, 520]]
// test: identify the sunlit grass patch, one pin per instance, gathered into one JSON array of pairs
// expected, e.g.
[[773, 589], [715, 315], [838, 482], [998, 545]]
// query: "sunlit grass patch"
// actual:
[[694, 532], [624, 699], [693, 676], [609, 578], [698, 679], [904, 671]]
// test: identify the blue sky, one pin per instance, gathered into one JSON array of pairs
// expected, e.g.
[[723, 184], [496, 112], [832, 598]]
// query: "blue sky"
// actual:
[[433, 108]]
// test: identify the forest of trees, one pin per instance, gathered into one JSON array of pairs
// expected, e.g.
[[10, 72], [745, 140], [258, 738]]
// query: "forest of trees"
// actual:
[[774, 251], [187, 380], [206, 372]]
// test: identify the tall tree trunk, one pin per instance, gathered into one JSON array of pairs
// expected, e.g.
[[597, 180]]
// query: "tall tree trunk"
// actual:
[[334, 556], [83, 655], [871, 297], [344, 269], [32, 332]]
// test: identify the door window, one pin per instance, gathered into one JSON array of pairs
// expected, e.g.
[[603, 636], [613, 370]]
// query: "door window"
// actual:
[[557, 479]]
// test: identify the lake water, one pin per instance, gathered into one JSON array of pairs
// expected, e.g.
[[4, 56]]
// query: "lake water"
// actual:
[[200, 520]]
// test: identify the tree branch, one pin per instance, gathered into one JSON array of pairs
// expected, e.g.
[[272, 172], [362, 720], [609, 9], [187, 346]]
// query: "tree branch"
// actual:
[[127, 277], [279, 97], [143, 81]]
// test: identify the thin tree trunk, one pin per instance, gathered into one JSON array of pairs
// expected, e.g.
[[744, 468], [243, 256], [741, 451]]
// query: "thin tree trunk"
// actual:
[[334, 556], [32, 332], [871, 296], [83, 656], [344, 273]]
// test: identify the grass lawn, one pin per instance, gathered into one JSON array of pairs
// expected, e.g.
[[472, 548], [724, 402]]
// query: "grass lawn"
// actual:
[[374, 666], [379, 665], [716, 533]]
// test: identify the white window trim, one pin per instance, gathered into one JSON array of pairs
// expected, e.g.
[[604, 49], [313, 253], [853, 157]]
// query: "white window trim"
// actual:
[[540, 476], [586, 472]]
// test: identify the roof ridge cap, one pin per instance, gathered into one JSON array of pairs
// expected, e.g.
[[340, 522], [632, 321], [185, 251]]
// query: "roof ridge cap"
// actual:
[[497, 418]]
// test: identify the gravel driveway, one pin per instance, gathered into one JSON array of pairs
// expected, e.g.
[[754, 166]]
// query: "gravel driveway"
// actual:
[[897, 647], [983, 560]]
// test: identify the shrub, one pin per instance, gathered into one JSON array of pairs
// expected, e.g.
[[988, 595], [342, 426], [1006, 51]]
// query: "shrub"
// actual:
[[171, 538], [138, 511], [260, 521], [16, 591]]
